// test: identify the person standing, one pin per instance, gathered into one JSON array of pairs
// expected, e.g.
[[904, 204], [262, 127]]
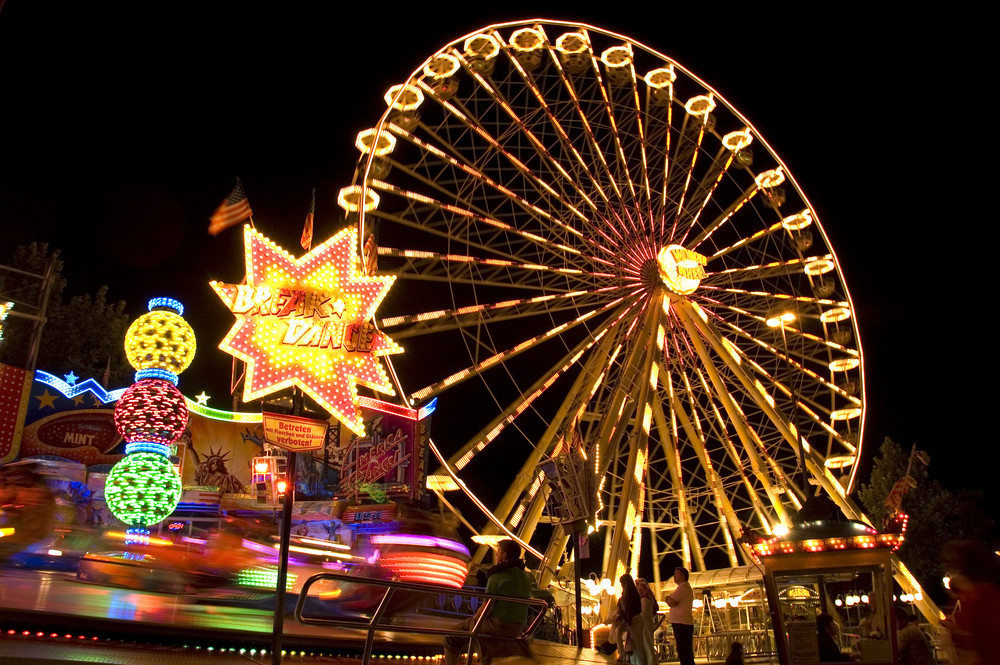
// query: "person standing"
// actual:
[[680, 616], [630, 615], [506, 578], [649, 620]]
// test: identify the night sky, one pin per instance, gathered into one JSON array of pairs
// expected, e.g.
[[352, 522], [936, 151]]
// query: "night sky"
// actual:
[[122, 130]]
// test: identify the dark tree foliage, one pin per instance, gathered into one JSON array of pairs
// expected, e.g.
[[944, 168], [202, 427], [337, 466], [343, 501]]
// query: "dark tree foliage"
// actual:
[[84, 334], [937, 514]]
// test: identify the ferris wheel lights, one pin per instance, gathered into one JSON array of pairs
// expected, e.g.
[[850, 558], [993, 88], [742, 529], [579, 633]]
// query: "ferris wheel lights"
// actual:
[[481, 46], [835, 314], [617, 57], [819, 266], [700, 106], [737, 140], [572, 43], [404, 97], [368, 143], [441, 66], [780, 530], [661, 78], [798, 221], [733, 350], [846, 413], [355, 197], [780, 319], [770, 179], [526, 40], [839, 462]]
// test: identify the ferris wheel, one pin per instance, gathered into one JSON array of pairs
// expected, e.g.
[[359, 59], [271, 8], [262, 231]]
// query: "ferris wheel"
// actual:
[[593, 235]]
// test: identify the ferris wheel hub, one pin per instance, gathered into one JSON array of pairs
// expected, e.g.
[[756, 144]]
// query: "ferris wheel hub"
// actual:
[[681, 269]]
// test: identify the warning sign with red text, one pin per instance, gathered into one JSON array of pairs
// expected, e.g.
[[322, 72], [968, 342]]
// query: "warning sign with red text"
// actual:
[[294, 433]]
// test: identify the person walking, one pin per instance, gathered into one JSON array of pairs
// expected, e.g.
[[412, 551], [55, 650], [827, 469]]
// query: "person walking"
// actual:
[[680, 616]]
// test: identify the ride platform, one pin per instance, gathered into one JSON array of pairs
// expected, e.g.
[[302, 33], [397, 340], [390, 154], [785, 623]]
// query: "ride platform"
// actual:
[[54, 618]]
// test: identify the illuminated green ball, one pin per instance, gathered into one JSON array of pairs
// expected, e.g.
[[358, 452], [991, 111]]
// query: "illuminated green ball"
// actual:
[[142, 489]]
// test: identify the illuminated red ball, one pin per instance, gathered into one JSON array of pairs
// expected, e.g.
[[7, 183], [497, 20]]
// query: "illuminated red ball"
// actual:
[[151, 410]]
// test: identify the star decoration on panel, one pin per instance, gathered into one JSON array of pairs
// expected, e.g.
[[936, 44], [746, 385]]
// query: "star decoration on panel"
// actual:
[[308, 322]]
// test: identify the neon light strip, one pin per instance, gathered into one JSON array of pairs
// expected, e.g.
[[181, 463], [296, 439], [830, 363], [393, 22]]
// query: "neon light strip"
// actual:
[[423, 541], [395, 409], [218, 414], [72, 391]]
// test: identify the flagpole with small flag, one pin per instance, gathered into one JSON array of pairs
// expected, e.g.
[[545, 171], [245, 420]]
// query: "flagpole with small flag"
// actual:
[[307, 230], [232, 211]]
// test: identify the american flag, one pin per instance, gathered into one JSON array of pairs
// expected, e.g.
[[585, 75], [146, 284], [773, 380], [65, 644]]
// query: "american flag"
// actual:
[[233, 210], [307, 231]]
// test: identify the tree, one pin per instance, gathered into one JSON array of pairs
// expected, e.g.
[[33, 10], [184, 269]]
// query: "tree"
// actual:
[[933, 511], [84, 335]]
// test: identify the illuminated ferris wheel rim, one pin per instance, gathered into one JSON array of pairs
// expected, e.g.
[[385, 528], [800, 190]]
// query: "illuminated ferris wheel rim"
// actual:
[[787, 174], [368, 188]]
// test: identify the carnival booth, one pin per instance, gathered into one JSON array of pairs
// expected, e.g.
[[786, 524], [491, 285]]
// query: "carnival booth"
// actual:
[[829, 585]]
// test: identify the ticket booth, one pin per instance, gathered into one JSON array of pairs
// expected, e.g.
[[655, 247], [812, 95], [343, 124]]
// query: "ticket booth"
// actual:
[[840, 569]]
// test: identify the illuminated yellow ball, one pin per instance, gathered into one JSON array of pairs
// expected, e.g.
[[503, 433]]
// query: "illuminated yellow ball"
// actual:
[[160, 339]]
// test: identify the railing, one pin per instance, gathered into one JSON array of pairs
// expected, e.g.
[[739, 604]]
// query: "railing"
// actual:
[[381, 616]]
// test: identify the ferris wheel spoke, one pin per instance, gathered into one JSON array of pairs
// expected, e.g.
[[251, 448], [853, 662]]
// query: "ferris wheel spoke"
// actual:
[[729, 447], [763, 183], [462, 457], [686, 157], [814, 463], [544, 152], [622, 58], [764, 272], [557, 249], [421, 264], [801, 338], [774, 297], [424, 323], [752, 445], [501, 357], [691, 424], [541, 187]]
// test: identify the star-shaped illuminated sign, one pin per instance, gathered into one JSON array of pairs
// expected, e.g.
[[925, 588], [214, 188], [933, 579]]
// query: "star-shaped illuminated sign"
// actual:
[[308, 322], [202, 398], [70, 378]]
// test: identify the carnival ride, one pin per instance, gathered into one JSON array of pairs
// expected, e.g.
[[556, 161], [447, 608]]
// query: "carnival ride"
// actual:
[[627, 264]]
